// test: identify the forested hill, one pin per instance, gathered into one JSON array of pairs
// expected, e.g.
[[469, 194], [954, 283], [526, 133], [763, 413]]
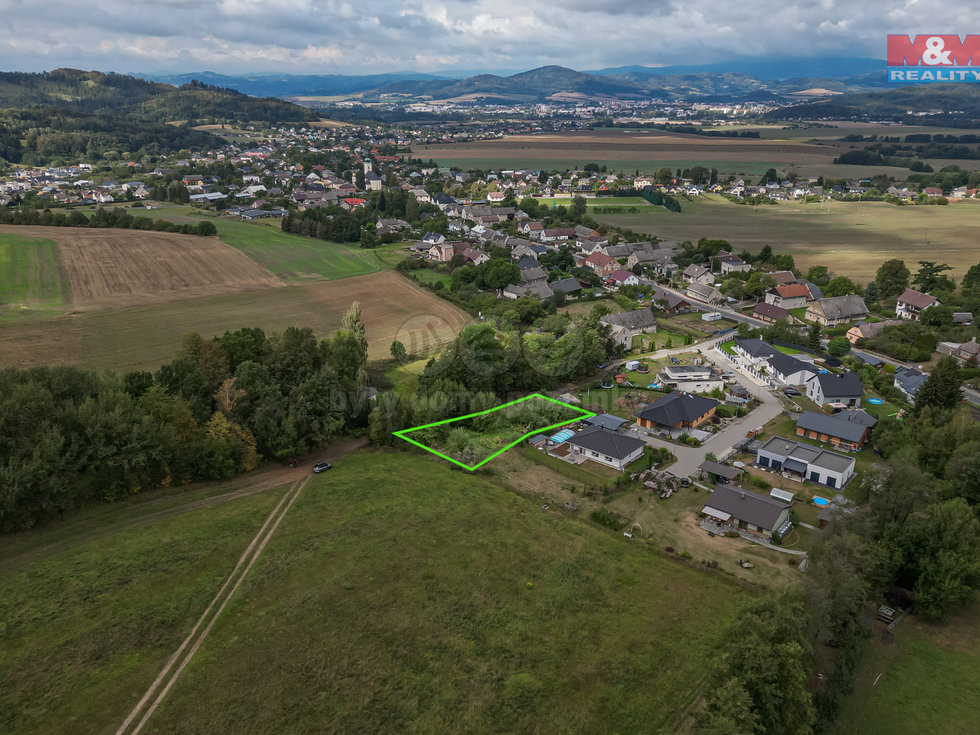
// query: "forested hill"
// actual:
[[139, 99], [69, 115], [925, 104]]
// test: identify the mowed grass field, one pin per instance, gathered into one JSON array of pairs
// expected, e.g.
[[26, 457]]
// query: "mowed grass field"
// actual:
[[929, 681], [293, 258], [852, 238], [439, 602], [32, 276], [147, 336], [84, 630]]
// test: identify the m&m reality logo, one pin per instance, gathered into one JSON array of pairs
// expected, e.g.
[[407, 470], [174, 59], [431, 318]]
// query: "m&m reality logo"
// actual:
[[933, 58]]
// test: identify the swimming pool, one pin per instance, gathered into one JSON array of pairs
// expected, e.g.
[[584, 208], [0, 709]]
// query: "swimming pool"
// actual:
[[817, 500], [876, 401]]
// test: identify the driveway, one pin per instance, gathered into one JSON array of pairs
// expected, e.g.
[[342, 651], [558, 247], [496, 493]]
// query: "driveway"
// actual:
[[689, 458]]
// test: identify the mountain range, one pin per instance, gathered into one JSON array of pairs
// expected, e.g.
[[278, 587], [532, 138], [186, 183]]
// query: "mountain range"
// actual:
[[738, 80]]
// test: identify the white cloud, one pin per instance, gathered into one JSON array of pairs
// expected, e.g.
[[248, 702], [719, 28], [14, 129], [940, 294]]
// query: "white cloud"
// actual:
[[366, 36]]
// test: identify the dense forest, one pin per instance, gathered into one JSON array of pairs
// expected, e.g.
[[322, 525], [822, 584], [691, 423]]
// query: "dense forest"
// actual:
[[69, 435], [70, 115]]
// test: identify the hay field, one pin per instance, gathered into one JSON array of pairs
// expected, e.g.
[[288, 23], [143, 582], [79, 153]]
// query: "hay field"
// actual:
[[852, 238], [631, 149], [117, 268], [145, 337]]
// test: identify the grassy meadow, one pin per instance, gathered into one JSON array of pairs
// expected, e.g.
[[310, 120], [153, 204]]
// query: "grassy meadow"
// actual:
[[32, 277], [852, 238], [86, 627], [928, 680], [443, 603]]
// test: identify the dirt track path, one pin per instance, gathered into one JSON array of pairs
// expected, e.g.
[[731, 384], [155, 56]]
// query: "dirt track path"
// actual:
[[250, 485], [177, 662]]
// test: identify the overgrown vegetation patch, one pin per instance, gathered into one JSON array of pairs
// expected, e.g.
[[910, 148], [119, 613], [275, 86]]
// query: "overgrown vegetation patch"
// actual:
[[473, 440]]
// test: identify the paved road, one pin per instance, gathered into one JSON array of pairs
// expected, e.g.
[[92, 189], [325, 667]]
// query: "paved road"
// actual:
[[689, 458]]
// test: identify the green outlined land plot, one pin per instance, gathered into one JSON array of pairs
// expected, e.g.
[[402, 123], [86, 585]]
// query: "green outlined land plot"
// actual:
[[473, 440]]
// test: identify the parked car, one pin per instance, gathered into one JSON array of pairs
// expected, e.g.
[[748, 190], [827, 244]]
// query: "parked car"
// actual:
[[790, 391], [685, 482], [321, 467]]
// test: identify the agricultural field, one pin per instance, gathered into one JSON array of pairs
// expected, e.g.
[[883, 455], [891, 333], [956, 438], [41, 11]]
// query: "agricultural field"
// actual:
[[33, 280], [928, 680], [144, 337], [594, 202], [852, 238], [376, 608], [629, 150], [293, 258]]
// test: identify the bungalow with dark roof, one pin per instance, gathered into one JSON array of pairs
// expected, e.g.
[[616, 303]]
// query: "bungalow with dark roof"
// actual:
[[628, 324], [677, 411], [835, 310], [839, 432], [610, 448], [747, 511], [809, 463], [770, 313], [908, 381]]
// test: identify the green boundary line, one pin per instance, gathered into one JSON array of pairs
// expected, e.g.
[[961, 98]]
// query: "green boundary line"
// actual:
[[401, 433]]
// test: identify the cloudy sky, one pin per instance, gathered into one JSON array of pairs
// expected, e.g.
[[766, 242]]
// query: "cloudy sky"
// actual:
[[369, 36]]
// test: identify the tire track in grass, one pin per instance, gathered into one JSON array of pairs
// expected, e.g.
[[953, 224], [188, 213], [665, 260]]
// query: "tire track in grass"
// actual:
[[177, 662]]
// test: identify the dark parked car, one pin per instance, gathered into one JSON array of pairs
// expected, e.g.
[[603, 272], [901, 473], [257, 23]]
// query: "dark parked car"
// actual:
[[321, 467], [789, 391], [685, 482]]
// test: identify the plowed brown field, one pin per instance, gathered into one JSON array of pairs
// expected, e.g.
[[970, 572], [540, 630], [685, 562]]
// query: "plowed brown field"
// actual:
[[145, 337], [118, 268]]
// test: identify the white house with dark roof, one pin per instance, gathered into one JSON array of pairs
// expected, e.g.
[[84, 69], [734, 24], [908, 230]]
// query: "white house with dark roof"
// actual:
[[610, 448], [840, 388], [809, 463]]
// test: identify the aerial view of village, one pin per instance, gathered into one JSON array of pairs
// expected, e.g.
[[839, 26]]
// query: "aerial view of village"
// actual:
[[447, 374]]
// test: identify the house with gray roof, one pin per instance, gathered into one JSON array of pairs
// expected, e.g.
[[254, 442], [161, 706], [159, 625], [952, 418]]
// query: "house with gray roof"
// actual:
[[908, 381], [836, 310], [703, 292], [802, 461], [838, 432], [837, 388], [677, 411], [628, 324], [747, 511], [566, 285], [610, 448]]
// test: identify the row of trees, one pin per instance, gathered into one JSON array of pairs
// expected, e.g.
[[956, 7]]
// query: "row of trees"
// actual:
[[69, 435], [118, 218]]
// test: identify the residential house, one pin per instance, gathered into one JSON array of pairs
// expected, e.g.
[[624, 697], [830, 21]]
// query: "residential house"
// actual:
[[805, 462], [911, 303], [790, 296], [695, 273], [963, 318], [835, 388], [908, 381], [566, 286], [783, 278], [607, 447], [691, 378], [868, 330], [620, 277], [789, 369], [677, 412], [748, 511], [839, 430], [668, 301], [540, 290], [441, 252], [731, 263], [628, 324], [705, 293], [962, 351], [557, 234], [835, 310], [770, 312], [601, 264]]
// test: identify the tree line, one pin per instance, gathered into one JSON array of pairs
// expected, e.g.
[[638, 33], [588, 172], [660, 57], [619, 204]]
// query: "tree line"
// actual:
[[102, 218], [70, 436]]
